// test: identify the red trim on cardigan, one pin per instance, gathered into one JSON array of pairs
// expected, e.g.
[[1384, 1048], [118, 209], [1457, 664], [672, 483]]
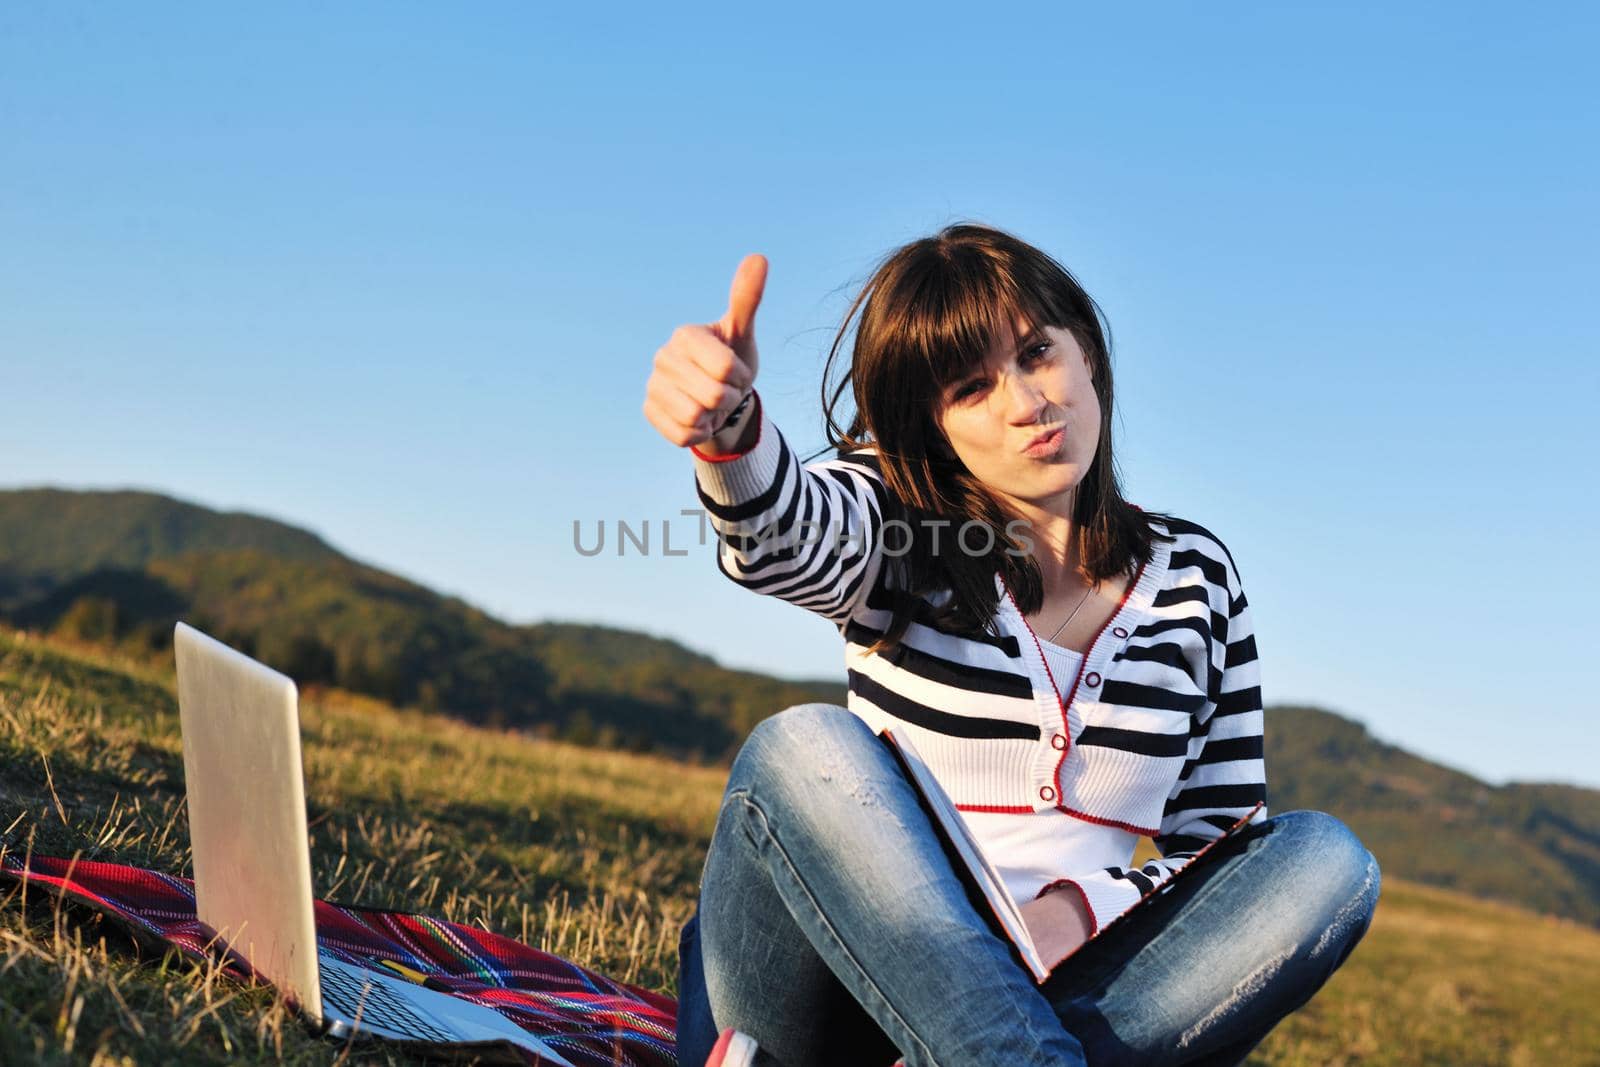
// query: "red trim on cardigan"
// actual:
[[1063, 704], [1142, 831], [1055, 690], [736, 455], [1073, 693], [1013, 809]]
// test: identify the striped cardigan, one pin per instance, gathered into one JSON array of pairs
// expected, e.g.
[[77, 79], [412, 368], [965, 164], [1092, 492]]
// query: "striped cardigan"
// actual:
[[1159, 734]]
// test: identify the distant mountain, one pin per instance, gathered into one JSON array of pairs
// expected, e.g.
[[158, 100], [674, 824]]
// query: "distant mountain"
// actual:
[[1537, 845], [48, 536], [121, 567]]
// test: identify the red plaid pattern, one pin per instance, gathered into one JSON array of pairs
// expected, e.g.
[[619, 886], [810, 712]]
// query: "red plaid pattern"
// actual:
[[588, 1018]]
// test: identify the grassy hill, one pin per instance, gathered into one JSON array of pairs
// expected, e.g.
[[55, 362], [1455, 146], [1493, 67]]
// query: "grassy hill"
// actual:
[[589, 853], [1536, 845]]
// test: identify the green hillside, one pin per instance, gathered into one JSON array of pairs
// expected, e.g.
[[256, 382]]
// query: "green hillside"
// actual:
[[1537, 845], [585, 852], [50, 536]]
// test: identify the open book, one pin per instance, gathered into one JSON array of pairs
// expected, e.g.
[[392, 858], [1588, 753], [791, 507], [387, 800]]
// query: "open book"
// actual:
[[982, 873]]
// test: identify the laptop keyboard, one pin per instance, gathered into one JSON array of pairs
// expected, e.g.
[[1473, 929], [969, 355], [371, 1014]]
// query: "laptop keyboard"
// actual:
[[375, 1005]]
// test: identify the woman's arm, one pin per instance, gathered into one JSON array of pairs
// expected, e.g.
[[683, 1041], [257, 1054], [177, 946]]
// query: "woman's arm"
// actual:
[[807, 534]]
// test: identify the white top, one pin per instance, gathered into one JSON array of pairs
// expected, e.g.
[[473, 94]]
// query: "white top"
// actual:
[[1032, 850], [1064, 664]]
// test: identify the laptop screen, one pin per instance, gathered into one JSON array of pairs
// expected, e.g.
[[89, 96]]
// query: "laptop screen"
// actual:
[[247, 811]]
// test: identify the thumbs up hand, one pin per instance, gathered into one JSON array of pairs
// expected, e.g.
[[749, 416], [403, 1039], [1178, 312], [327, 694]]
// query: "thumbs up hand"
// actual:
[[703, 371]]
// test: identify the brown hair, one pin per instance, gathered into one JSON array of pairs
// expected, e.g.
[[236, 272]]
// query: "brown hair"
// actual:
[[929, 314]]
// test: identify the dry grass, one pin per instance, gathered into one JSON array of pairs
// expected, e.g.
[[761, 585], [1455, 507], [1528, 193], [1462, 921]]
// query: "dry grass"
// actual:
[[590, 854]]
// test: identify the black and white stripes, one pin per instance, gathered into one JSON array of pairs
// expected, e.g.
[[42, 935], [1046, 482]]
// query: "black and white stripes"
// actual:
[[1159, 734]]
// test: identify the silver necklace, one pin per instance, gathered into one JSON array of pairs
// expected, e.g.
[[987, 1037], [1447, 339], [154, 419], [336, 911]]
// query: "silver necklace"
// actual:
[[1081, 602]]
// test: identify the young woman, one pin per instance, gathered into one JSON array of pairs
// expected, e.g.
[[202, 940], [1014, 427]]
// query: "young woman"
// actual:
[[1077, 672]]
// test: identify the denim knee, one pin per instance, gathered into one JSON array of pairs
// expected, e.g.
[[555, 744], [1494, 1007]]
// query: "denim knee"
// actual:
[[1346, 875], [1328, 844], [793, 738]]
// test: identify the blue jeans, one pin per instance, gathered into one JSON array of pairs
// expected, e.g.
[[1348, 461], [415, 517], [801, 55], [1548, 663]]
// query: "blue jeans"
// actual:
[[833, 929]]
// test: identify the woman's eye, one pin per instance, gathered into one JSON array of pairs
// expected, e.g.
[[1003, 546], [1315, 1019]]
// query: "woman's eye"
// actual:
[[1036, 353]]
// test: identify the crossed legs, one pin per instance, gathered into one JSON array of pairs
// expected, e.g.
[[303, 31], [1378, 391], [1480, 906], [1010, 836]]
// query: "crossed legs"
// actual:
[[833, 928]]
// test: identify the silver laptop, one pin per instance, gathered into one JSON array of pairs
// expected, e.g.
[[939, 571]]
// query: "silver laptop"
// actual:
[[252, 862]]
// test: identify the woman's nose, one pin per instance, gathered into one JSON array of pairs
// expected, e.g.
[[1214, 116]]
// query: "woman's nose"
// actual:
[[1023, 400]]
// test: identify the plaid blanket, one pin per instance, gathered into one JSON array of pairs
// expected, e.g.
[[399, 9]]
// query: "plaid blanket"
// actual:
[[588, 1018]]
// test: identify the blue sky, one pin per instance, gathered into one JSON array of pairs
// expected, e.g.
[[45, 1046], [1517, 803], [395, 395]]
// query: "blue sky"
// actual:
[[395, 272]]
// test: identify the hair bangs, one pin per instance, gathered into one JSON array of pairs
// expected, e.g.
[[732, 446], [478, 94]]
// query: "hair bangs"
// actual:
[[955, 311]]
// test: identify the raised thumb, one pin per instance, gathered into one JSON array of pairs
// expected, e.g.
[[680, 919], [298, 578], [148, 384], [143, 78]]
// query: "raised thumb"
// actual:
[[738, 325]]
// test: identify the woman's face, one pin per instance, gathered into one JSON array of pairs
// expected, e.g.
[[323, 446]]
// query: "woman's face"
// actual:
[[1027, 421]]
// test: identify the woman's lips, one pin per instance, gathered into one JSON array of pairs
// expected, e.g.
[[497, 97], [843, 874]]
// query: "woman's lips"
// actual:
[[1048, 445]]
